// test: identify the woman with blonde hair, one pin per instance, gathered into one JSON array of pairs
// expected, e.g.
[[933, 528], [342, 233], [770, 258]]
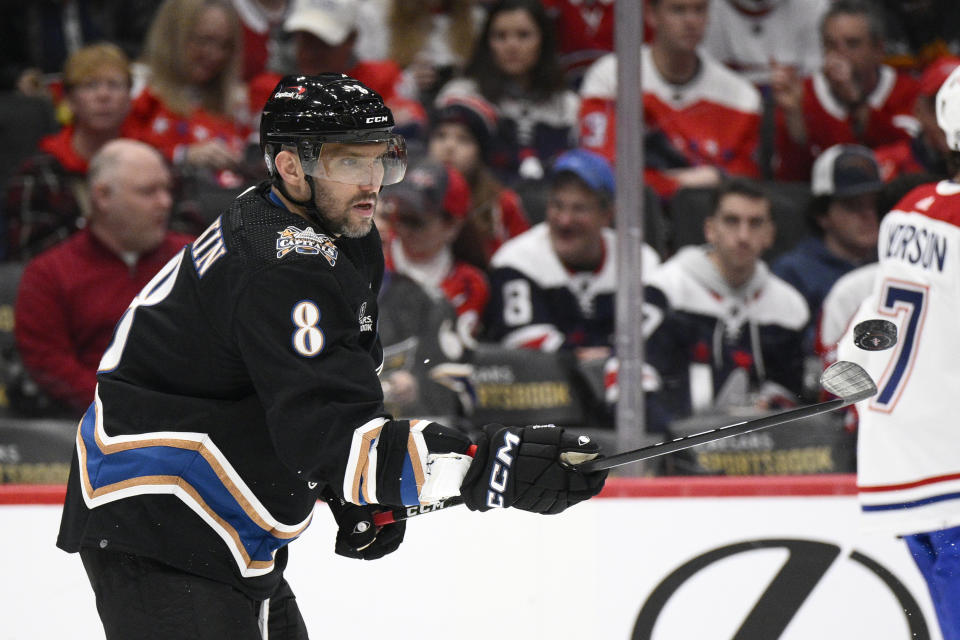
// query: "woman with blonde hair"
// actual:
[[48, 199], [432, 41], [193, 105]]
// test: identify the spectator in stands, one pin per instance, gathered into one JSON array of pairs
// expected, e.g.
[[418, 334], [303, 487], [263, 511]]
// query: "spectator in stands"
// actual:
[[47, 200], [554, 286], [584, 32], [264, 39], [723, 330], [324, 35], [746, 35], [850, 289], [193, 106], [462, 134], [926, 151], [426, 212], [514, 66], [919, 32], [853, 99], [702, 119], [844, 221], [431, 40], [71, 296]]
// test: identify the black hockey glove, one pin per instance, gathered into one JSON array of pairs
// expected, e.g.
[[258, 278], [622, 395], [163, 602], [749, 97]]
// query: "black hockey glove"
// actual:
[[530, 468], [358, 537]]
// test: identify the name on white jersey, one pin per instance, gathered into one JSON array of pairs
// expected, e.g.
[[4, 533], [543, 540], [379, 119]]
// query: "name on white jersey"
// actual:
[[916, 245]]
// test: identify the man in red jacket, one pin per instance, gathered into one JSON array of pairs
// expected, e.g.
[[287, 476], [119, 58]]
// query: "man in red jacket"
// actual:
[[72, 295], [852, 99]]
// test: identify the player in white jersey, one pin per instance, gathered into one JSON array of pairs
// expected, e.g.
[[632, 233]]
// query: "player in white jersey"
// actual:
[[908, 450]]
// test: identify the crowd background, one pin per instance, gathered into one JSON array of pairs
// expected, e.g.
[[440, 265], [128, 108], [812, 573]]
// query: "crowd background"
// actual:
[[778, 132]]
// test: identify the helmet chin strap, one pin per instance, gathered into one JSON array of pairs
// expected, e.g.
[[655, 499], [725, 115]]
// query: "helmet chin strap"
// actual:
[[310, 203]]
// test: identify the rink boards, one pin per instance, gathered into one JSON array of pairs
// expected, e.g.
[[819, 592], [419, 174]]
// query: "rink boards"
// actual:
[[664, 559]]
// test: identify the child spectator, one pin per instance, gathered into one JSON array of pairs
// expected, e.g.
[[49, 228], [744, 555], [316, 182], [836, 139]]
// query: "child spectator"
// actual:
[[462, 136], [425, 213], [514, 66], [47, 200]]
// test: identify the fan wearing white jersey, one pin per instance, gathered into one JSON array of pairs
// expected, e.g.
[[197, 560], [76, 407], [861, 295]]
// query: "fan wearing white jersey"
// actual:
[[908, 450]]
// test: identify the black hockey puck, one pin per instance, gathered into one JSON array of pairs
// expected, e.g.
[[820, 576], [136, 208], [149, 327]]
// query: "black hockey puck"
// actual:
[[875, 335]]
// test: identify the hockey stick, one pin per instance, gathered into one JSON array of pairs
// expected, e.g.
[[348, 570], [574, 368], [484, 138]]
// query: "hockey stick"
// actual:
[[846, 380]]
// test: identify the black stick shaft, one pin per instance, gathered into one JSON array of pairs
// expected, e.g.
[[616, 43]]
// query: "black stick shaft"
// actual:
[[679, 444]]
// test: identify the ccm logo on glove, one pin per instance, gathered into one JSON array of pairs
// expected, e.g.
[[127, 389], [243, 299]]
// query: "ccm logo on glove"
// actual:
[[500, 473]]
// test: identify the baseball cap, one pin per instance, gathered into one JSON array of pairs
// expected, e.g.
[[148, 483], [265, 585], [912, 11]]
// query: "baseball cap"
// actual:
[[330, 20], [846, 170], [431, 187], [948, 109], [590, 167]]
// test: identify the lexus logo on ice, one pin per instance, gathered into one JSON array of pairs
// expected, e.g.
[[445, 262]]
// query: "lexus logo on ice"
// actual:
[[806, 566]]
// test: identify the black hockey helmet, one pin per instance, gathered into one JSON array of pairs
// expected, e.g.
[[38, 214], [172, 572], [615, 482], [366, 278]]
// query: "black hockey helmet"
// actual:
[[307, 111]]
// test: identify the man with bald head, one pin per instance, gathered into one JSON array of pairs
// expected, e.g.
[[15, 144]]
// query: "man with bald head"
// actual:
[[72, 295]]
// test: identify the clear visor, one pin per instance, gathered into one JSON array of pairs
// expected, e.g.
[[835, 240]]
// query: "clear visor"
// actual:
[[377, 162]]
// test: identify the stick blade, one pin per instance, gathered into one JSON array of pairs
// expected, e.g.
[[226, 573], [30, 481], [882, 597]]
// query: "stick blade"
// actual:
[[848, 381]]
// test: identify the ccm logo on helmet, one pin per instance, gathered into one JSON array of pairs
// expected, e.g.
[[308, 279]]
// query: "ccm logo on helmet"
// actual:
[[376, 119], [500, 473]]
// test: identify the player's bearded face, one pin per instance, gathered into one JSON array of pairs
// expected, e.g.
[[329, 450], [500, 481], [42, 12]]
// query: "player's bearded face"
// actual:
[[346, 209]]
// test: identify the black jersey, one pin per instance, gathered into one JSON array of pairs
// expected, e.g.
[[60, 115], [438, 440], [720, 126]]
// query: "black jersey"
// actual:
[[704, 336], [241, 382]]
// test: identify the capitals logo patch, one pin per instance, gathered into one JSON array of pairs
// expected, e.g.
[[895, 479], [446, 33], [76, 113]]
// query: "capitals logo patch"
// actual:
[[295, 92], [308, 242]]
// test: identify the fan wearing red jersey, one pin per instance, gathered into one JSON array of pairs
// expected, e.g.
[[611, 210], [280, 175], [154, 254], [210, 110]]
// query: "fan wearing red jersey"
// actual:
[[852, 99], [703, 120], [584, 33], [425, 213]]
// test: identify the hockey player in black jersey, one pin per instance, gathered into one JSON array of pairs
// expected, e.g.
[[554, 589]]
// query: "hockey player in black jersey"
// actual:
[[241, 386]]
